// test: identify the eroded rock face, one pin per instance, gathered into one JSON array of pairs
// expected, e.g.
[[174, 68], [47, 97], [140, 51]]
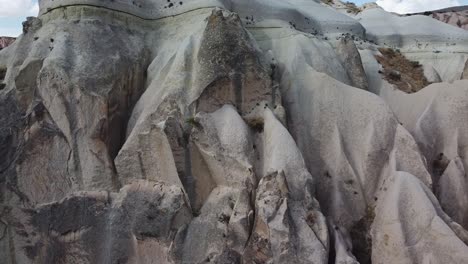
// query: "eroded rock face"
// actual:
[[235, 131], [455, 16], [465, 71], [5, 42], [103, 227]]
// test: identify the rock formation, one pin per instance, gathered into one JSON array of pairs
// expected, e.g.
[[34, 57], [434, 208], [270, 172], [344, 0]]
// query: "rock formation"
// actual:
[[232, 131], [5, 42], [455, 16]]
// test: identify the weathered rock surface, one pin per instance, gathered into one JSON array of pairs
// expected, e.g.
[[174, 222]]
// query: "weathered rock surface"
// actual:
[[230, 131], [5, 42], [455, 16]]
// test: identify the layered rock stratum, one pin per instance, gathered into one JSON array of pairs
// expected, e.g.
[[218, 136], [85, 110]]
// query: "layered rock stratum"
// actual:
[[232, 131], [5, 42]]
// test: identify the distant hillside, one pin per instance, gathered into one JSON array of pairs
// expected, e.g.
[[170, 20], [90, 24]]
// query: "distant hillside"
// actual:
[[456, 16], [6, 41]]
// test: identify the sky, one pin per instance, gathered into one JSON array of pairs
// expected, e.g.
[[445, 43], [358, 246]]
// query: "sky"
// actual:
[[14, 12]]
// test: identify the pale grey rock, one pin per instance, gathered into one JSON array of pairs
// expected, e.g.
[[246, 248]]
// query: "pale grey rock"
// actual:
[[241, 132], [306, 16], [282, 232], [448, 66], [222, 153], [136, 225], [287, 47], [407, 157], [219, 234], [351, 60], [343, 246], [452, 191], [398, 238], [55, 80], [410, 32], [150, 156], [432, 43], [456, 16], [440, 135], [465, 71], [224, 141], [431, 74]]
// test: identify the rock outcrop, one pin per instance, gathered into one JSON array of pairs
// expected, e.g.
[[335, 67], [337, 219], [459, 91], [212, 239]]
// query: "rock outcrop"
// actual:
[[231, 131], [455, 16], [5, 42]]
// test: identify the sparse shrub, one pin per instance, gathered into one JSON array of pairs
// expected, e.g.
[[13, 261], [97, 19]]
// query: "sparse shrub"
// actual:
[[350, 181], [394, 75], [415, 64], [193, 122], [352, 8], [256, 125]]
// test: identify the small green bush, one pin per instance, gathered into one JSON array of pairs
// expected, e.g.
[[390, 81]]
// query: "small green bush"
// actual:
[[192, 121]]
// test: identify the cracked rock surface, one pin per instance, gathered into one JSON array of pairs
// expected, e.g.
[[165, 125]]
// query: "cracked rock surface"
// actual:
[[231, 131]]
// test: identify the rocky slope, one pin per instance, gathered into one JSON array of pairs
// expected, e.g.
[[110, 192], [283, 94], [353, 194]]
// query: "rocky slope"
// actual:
[[232, 131], [5, 42], [455, 16]]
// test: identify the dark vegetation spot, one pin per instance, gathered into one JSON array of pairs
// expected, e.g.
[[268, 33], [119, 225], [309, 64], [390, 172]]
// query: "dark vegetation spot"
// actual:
[[350, 181], [223, 218], [257, 125], [439, 164], [361, 238], [2, 73], [150, 217], [196, 213], [352, 8], [193, 122], [311, 218]]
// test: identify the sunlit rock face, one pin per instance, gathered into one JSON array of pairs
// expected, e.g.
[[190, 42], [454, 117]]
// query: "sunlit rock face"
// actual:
[[232, 131]]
